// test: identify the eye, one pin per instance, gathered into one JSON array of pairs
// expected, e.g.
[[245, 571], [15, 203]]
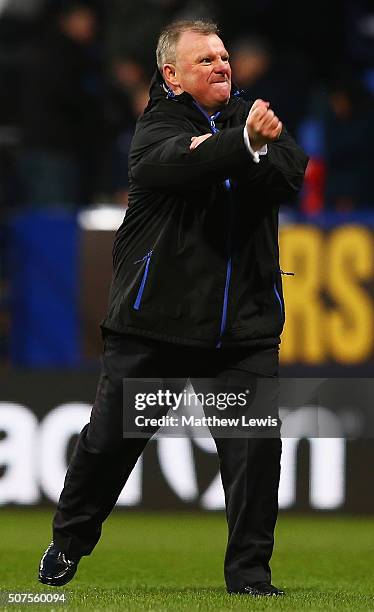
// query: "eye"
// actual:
[[205, 60]]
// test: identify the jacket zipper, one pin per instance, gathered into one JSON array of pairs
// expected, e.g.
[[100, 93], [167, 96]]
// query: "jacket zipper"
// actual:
[[287, 273], [225, 301], [147, 259], [227, 183], [228, 271], [279, 299], [277, 295]]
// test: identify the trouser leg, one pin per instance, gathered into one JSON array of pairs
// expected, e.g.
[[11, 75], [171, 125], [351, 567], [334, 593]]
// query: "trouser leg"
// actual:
[[250, 471], [103, 459], [93, 483]]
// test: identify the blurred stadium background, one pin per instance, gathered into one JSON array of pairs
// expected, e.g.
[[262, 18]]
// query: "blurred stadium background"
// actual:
[[73, 80]]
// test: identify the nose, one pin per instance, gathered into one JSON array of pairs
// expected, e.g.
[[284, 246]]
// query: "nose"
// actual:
[[222, 67]]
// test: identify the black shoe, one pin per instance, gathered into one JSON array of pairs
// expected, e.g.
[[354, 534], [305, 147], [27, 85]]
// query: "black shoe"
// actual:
[[259, 589], [55, 568]]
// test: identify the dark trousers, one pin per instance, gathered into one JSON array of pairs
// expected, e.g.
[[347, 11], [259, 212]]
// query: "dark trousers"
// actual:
[[103, 459]]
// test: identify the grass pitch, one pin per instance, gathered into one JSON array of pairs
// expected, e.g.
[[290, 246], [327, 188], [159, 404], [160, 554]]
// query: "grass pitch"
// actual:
[[174, 562]]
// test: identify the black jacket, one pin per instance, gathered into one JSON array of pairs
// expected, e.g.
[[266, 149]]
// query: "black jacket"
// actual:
[[196, 258]]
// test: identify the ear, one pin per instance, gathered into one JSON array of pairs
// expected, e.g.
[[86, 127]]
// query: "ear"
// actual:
[[170, 75]]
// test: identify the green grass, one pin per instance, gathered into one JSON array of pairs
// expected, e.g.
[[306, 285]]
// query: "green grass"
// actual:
[[174, 562]]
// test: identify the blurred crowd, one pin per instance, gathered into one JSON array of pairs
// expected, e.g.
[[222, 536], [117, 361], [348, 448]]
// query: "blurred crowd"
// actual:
[[74, 77]]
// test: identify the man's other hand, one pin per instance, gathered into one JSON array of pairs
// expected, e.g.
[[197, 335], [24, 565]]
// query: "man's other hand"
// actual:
[[197, 140], [263, 126]]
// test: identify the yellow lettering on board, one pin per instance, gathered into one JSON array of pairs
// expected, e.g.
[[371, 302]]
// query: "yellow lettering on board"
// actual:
[[350, 329], [303, 339]]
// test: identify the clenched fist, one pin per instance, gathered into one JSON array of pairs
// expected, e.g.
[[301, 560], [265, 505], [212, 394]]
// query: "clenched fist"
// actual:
[[263, 126]]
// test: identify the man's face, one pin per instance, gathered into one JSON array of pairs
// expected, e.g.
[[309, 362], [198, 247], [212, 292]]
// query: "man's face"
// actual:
[[202, 69], [80, 25]]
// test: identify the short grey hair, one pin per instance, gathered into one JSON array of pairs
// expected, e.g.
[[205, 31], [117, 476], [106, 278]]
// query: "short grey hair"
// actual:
[[170, 35]]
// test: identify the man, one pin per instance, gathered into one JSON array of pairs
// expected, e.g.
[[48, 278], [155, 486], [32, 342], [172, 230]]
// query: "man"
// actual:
[[196, 292], [61, 116]]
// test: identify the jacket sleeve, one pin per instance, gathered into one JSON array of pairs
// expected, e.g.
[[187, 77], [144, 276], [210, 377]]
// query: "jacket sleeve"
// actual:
[[280, 173], [161, 158]]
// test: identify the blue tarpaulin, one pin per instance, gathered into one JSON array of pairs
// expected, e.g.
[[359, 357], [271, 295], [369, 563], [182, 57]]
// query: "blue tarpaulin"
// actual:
[[43, 270]]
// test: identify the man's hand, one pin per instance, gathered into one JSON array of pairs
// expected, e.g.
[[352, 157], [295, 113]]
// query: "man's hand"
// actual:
[[263, 126], [196, 140]]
